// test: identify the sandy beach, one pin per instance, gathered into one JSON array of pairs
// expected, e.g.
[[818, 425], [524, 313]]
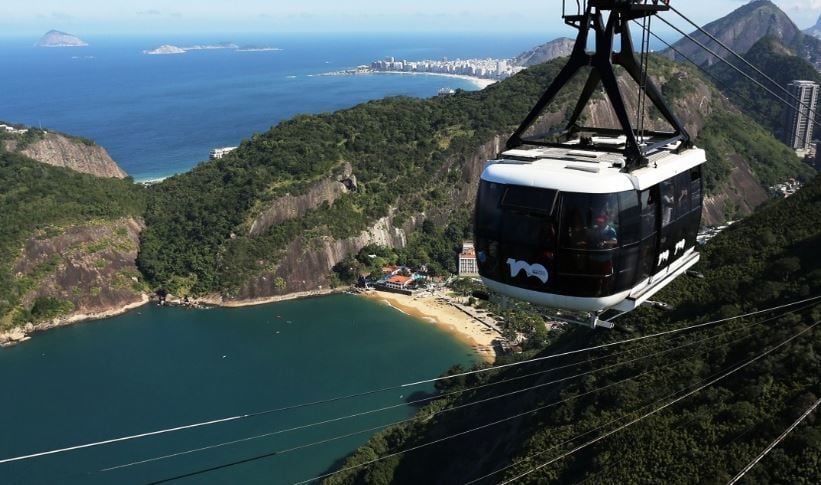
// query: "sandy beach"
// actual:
[[479, 82], [452, 320]]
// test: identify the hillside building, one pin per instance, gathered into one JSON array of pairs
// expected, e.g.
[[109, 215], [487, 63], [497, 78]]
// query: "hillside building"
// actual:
[[801, 118], [218, 153], [467, 260]]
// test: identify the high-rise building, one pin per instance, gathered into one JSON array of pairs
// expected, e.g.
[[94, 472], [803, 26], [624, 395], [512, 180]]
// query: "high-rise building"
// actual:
[[467, 260], [802, 116]]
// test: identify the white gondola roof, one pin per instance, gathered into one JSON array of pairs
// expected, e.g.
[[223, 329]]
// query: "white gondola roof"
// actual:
[[579, 170]]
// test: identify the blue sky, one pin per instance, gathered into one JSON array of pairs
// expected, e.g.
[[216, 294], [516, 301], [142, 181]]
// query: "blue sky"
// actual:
[[109, 17]]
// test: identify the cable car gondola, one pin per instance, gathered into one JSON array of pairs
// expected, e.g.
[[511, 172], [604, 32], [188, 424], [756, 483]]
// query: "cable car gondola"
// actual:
[[594, 219]]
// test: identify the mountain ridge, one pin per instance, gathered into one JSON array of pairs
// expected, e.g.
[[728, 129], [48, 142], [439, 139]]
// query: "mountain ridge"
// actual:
[[743, 28], [560, 47]]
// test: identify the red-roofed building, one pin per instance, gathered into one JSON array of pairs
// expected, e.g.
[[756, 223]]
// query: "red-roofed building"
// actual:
[[398, 282]]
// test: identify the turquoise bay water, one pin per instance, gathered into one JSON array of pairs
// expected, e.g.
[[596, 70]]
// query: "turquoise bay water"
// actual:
[[162, 367]]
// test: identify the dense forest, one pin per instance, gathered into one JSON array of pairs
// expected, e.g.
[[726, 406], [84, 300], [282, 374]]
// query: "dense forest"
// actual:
[[39, 200], [544, 409], [407, 155]]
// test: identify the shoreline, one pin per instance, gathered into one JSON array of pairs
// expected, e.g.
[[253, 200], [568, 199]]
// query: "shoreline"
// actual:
[[479, 82], [271, 299], [448, 318], [20, 334], [426, 309]]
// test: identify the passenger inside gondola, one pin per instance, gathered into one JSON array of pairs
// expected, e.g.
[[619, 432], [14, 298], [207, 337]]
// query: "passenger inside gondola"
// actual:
[[604, 232]]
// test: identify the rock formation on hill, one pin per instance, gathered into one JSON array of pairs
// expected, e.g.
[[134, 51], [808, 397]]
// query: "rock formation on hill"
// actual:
[[555, 48], [79, 154]]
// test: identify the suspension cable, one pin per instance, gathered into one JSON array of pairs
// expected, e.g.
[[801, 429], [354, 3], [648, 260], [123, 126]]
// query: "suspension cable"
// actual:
[[734, 67], [441, 396], [665, 406], [718, 81], [742, 59], [615, 420], [774, 443], [643, 62], [506, 419], [396, 387]]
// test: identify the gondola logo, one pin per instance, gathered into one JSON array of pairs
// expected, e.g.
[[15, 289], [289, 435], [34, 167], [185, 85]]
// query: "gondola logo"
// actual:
[[535, 270], [680, 246]]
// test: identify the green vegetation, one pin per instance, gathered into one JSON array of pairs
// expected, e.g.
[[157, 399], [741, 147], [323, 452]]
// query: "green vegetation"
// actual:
[[766, 260], [406, 153], [728, 136], [37, 200], [395, 149], [781, 64]]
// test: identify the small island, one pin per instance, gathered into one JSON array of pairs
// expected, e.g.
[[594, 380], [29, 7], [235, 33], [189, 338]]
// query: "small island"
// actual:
[[55, 38], [166, 49]]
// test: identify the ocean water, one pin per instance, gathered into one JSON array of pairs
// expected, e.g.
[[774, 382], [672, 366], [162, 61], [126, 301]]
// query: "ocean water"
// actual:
[[160, 367], [161, 114]]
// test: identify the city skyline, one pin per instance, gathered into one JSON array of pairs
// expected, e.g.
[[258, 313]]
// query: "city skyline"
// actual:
[[97, 17]]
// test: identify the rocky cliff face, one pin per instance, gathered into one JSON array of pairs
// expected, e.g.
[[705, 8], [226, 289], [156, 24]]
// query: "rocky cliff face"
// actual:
[[61, 151], [306, 265], [289, 206], [555, 48], [742, 28], [87, 271]]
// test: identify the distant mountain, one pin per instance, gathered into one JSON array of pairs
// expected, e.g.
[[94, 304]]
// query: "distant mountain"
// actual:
[[816, 30], [780, 63], [555, 48], [742, 28], [55, 38]]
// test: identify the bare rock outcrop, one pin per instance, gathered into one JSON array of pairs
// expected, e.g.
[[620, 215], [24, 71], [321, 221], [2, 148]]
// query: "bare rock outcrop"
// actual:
[[292, 206], [61, 151], [90, 269], [742, 195], [307, 264]]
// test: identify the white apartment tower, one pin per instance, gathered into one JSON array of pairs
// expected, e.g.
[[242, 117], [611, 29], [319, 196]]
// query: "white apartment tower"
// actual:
[[802, 115], [467, 260]]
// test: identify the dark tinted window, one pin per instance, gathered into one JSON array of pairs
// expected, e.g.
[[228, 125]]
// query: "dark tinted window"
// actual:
[[648, 202], [668, 202], [695, 188], [529, 199], [488, 210], [590, 221], [682, 183], [629, 217]]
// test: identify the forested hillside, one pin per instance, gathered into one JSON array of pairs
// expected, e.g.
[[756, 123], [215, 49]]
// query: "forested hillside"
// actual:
[[771, 56], [412, 159], [39, 202], [527, 416]]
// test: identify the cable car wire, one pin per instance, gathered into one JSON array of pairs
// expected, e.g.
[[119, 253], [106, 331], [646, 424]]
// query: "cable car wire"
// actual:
[[745, 61], [423, 445], [734, 67], [718, 81], [396, 387], [665, 406], [449, 394], [773, 444]]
